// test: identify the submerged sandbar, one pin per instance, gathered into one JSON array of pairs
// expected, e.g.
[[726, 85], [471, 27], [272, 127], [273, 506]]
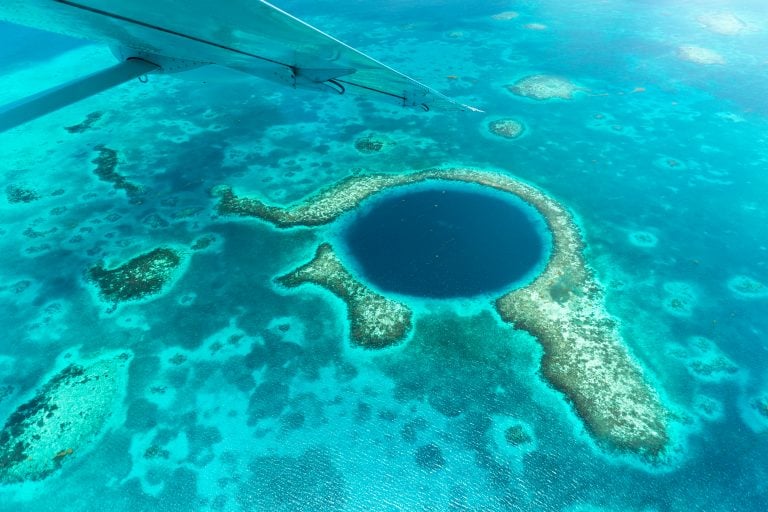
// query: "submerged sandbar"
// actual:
[[585, 357]]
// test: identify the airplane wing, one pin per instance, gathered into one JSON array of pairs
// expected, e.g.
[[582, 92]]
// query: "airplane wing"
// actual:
[[252, 36]]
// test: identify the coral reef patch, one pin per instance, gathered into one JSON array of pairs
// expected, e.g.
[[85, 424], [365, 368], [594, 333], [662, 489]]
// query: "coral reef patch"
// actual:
[[704, 360], [506, 128], [512, 436], [543, 87], [745, 287], [760, 404], [516, 435], [106, 169], [18, 194], [679, 299], [138, 278], [66, 415], [87, 123], [644, 239], [202, 243], [369, 144], [584, 354], [374, 320], [430, 457]]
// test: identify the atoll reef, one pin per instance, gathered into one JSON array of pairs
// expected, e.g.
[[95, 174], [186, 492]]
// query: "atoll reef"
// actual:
[[584, 355], [754, 410], [375, 321], [543, 87], [699, 55], [66, 415], [138, 278], [506, 128]]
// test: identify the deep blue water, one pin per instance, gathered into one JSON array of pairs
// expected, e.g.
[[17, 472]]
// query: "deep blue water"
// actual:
[[291, 417], [445, 243]]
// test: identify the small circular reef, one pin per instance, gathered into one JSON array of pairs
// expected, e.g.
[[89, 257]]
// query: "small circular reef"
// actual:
[[506, 128], [585, 357]]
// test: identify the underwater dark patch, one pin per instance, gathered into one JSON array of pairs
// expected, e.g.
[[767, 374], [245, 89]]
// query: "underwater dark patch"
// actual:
[[446, 242]]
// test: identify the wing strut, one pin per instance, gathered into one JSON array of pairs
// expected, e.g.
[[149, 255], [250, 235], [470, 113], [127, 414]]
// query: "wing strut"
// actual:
[[45, 102]]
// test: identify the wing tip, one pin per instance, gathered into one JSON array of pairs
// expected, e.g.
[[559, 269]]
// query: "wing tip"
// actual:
[[470, 108]]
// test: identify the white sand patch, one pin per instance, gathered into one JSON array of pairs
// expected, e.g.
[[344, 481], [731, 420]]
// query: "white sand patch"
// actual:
[[699, 55], [724, 23]]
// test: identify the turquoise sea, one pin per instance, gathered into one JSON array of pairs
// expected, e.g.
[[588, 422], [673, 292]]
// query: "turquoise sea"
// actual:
[[242, 395]]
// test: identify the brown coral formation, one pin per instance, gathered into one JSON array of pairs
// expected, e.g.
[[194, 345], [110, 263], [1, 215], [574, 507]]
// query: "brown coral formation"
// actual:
[[106, 163], [375, 321], [139, 277]]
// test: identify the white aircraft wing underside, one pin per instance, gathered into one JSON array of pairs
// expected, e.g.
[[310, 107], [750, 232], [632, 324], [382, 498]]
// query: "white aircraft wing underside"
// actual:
[[248, 35]]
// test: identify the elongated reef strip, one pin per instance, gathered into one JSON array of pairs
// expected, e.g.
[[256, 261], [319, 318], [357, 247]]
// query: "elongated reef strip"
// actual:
[[375, 321], [106, 169], [585, 357]]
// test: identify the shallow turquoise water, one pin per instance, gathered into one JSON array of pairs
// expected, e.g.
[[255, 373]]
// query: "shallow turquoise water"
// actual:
[[662, 160]]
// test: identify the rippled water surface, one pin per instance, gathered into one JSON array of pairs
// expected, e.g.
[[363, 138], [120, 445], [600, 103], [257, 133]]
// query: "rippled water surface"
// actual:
[[226, 391]]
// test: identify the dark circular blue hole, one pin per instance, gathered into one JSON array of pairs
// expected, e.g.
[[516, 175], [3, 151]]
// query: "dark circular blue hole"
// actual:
[[447, 242]]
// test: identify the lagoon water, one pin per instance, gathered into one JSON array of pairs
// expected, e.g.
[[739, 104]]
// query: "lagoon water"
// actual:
[[241, 395]]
